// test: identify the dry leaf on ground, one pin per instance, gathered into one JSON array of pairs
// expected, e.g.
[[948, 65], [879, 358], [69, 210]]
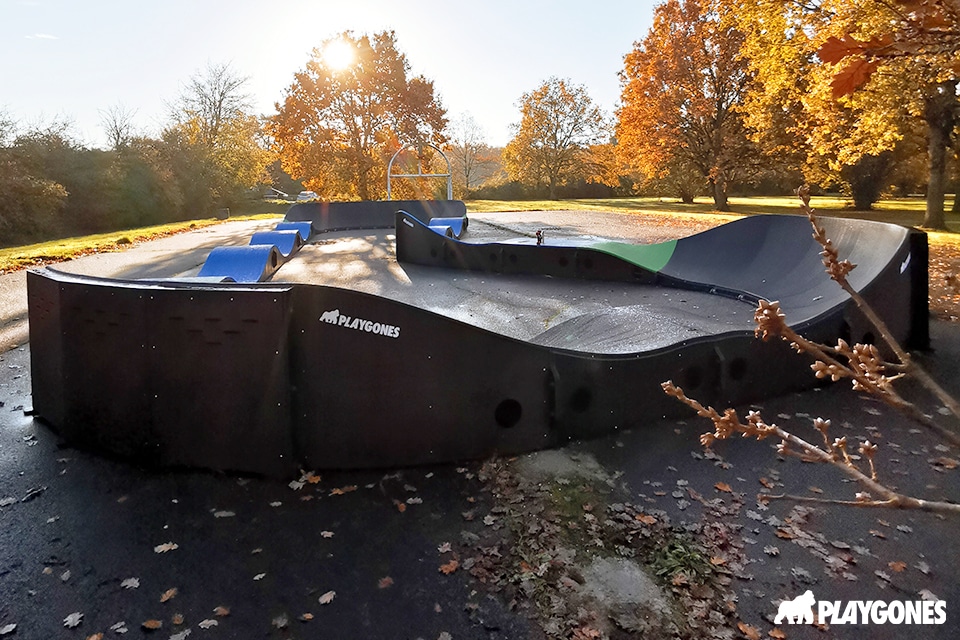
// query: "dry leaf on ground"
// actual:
[[449, 567], [73, 620], [328, 597]]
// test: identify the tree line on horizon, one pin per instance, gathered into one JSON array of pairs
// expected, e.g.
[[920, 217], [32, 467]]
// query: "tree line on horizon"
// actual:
[[719, 97]]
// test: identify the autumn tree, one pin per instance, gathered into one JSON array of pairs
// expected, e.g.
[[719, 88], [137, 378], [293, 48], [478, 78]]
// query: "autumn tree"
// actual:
[[681, 87], [215, 137], [345, 115], [551, 144], [474, 161], [860, 72], [117, 123]]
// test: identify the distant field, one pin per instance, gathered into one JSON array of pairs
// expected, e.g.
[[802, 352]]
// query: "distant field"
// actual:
[[906, 211]]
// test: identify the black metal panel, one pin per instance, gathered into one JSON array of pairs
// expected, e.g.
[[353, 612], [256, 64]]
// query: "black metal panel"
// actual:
[[46, 348], [106, 381], [370, 214], [380, 383], [219, 376], [418, 244]]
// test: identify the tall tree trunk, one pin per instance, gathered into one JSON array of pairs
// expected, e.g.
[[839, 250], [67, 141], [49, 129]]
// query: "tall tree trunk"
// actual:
[[940, 113], [719, 187]]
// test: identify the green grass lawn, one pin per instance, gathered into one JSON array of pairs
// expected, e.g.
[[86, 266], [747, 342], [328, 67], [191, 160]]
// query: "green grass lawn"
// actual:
[[906, 211], [32, 255]]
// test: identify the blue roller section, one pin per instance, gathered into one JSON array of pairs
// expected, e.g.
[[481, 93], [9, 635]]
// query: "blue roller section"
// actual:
[[450, 227], [304, 228], [286, 242], [242, 264]]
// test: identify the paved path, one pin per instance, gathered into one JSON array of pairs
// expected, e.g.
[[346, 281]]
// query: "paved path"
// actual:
[[164, 258]]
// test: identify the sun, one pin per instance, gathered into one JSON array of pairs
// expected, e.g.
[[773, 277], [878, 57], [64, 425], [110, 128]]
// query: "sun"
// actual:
[[338, 55]]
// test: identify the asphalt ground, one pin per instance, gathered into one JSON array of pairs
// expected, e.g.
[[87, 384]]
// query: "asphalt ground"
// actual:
[[365, 555]]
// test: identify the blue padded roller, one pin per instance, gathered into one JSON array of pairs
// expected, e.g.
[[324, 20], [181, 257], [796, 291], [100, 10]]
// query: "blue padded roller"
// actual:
[[450, 227], [286, 242], [305, 228], [254, 263]]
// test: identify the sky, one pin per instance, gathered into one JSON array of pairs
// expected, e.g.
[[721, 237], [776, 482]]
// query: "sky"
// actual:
[[75, 59]]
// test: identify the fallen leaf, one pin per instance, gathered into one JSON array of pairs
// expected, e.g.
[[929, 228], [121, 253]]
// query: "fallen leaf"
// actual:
[[723, 486], [260, 576], [7, 629], [280, 622], [305, 617], [449, 567], [878, 534], [165, 547], [645, 518], [73, 620], [152, 624], [275, 503], [223, 514], [180, 636], [169, 594], [342, 490], [752, 633], [771, 550], [6, 502], [444, 548], [120, 627], [312, 478], [679, 579], [328, 597], [946, 463], [221, 611], [130, 583], [206, 624], [401, 507], [897, 566], [785, 534], [766, 482], [926, 594], [96, 636], [444, 635], [385, 582], [718, 561], [777, 633], [815, 489], [326, 534]]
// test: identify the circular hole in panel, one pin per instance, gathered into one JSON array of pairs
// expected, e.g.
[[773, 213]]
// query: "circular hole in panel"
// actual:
[[508, 413]]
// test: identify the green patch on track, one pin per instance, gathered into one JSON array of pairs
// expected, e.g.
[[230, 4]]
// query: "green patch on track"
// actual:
[[652, 257]]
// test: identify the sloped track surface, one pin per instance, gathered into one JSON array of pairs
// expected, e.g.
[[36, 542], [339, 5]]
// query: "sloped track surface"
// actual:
[[272, 377]]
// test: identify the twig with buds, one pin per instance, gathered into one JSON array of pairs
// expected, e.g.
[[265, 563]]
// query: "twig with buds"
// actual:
[[728, 425], [838, 270]]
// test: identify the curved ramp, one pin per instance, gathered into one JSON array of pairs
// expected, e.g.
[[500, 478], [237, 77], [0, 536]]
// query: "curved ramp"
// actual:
[[254, 263], [271, 378], [287, 242]]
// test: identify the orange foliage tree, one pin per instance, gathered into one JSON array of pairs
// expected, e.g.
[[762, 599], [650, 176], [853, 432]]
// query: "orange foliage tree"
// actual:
[[340, 122], [551, 145], [680, 90], [858, 76]]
